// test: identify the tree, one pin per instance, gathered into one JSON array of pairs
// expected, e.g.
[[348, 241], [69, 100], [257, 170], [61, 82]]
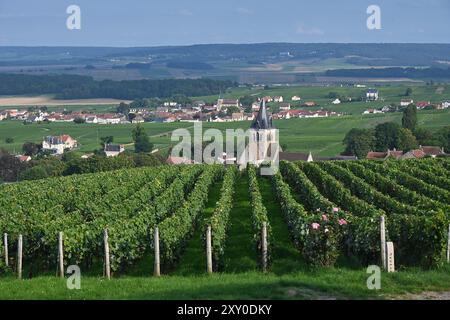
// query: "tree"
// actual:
[[408, 92], [79, 120], [333, 95], [231, 110], [387, 136], [131, 116], [10, 166], [407, 141], [359, 142], [31, 148], [409, 119], [106, 140], [34, 173], [247, 100], [443, 138], [426, 137], [123, 108], [9, 140], [141, 140]]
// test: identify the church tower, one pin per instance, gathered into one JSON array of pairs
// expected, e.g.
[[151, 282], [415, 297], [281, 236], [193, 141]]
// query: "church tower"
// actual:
[[263, 140]]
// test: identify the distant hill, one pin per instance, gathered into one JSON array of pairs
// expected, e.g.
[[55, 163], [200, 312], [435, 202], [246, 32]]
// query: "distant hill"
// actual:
[[244, 63]]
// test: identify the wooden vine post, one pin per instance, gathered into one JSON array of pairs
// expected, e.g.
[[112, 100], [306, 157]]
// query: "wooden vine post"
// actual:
[[264, 246], [61, 254], [107, 261], [5, 243], [19, 256], [157, 267], [383, 242], [209, 250], [448, 245]]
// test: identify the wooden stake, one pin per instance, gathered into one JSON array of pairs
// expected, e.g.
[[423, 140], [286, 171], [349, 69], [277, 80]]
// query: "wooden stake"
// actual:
[[107, 262], [5, 243], [383, 242], [157, 267], [61, 254], [448, 245], [19, 257], [209, 251], [264, 246]]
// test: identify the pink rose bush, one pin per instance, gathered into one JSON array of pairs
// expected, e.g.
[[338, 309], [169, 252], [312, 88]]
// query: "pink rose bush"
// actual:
[[324, 241]]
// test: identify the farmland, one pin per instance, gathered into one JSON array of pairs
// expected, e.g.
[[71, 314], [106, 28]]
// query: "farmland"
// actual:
[[322, 136], [314, 249]]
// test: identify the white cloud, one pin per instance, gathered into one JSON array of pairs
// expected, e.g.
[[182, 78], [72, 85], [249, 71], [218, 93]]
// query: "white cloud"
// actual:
[[185, 12], [244, 11], [313, 31]]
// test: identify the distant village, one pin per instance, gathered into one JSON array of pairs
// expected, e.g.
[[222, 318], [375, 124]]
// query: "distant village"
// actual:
[[224, 110], [373, 95]]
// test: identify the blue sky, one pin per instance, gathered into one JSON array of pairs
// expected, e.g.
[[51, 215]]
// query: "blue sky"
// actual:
[[183, 22]]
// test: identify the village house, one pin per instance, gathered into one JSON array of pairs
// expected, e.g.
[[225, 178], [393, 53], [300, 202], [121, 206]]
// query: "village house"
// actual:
[[309, 104], [285, 106], [336, 101], [56, 145], [23, 158], [296, 156], [255, 106], [372, 111], [3, 115], [423, 151], [170, 104], [209, 108], [422, 104], [178, 160], [406, 102], [138, 119], [110, 118], [278, 99], [445, 105], [113, 150], [374, 155], [226, 103], [372, 95], [92, 119], [237, 116], [17, 114], [138, 110], [296, 98]]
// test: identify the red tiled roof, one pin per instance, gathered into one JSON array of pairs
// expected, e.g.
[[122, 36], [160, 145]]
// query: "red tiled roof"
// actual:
[[376, 155], [430, 150]]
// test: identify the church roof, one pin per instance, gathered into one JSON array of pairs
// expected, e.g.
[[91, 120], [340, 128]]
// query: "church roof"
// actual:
[[262, 120]]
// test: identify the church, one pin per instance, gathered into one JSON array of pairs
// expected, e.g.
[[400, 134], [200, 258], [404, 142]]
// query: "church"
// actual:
[[263, 143]]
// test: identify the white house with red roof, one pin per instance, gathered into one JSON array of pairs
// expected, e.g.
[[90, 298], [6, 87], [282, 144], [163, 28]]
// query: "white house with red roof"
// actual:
[[58, 144]]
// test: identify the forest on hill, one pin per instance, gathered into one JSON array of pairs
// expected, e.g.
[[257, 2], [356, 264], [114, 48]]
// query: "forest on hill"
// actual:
[[83, 87]]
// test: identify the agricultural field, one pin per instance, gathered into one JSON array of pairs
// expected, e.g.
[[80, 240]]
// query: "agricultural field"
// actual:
[[321, 221], [321, 136], [389, 94]]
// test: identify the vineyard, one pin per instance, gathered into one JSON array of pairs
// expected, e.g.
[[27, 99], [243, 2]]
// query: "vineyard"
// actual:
[[315, 214]]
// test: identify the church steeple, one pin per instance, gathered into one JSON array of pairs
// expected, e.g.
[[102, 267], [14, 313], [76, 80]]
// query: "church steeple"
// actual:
[[262, 120]]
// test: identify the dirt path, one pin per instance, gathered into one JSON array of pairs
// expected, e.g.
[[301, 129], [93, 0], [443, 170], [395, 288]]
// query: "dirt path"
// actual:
[[426, 295]]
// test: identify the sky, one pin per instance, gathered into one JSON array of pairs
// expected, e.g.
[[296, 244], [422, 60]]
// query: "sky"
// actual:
[[127, 23]]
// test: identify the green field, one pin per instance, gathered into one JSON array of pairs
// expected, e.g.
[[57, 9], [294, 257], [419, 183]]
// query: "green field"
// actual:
[[389, 94], [321, 136]]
